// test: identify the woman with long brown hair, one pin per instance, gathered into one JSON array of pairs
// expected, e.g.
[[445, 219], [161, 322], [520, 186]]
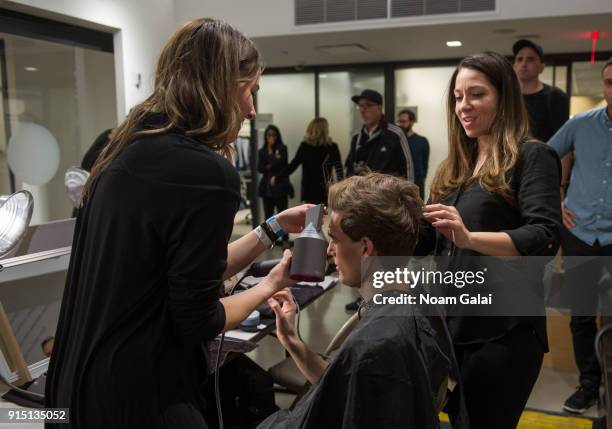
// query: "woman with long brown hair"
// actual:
[[150, 250], [496, 194], [319, 156]]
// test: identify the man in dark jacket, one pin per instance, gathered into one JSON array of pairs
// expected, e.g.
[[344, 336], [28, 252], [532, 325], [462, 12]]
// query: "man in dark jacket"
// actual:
[[396, 354], [378, 146]]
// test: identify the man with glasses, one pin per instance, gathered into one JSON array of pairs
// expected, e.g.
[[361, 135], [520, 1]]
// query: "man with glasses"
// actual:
[[419, 148], [378, 146]]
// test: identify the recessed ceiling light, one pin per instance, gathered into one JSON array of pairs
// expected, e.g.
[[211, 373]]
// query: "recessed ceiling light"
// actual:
[[454, 43], [323, 76], [31, 69]]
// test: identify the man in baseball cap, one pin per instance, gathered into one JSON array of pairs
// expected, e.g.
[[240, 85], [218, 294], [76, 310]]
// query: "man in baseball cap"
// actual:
[[378, 146], [548, 107], [525, 43], [370, 95]]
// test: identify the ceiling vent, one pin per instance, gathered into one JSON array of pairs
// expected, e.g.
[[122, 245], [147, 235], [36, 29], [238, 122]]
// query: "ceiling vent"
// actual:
[[322, 11], [342, 50]]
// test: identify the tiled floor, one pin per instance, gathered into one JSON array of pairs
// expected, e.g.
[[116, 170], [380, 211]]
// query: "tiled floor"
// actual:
[[552, 389]]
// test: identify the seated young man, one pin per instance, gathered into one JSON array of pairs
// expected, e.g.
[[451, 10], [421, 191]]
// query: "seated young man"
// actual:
[[391, 369]]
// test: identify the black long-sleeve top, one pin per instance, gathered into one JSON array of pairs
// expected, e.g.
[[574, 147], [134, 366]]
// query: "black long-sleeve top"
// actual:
[[143, 286], [318, 162], [548, 110], [532, 220]]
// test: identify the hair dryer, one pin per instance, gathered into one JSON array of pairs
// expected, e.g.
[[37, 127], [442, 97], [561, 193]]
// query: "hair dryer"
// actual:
[[309, 252]]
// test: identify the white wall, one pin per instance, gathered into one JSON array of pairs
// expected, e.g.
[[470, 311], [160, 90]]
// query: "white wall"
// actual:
[[336, 106], [426, 88], [253, 18], [275, 17], [95, 95], [143, 25]]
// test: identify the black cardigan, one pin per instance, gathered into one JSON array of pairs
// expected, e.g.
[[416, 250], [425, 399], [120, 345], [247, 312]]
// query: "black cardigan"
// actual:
[[532, 220], [142, 291], [318, 162]]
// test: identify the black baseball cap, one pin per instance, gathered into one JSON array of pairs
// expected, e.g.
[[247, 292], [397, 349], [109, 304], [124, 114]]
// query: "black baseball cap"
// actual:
[[525, 43], [370, 95]]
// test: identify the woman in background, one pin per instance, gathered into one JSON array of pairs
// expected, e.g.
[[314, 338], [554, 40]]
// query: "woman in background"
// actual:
[[272, 160], [319, 156]]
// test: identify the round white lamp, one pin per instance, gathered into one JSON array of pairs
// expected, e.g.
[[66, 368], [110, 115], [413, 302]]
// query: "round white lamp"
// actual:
[[33, 153]]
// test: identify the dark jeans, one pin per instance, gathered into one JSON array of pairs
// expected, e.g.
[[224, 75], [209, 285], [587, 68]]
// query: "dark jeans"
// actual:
[[280, 203], [497, 378], [583, 282]]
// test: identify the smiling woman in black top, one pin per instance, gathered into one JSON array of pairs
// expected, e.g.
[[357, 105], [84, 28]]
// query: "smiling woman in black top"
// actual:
[[497, 194], [150, 249]]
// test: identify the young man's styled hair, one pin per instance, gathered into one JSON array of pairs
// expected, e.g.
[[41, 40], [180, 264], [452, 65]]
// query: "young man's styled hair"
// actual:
[[384, 208]]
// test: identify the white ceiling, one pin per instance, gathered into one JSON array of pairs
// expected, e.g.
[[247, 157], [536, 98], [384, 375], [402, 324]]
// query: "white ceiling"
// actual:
[[557, 35]]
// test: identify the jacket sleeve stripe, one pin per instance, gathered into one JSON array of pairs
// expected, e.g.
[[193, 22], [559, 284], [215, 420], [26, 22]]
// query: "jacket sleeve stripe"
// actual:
[[406, 149]]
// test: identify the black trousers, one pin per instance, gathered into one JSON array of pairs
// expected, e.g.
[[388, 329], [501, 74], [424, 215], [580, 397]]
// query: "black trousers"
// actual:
[[278, 203], [247, 395], [182, 416], [583, 282], [497, 378]]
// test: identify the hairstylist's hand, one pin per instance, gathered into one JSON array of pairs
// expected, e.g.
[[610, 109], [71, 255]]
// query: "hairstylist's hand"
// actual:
[[292, 220], [448, 221], [273, 180], [278, 277], [568, 217], [285, 316]]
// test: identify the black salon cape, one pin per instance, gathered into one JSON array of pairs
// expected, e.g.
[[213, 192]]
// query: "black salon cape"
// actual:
[[385, 376], [142, 292]]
